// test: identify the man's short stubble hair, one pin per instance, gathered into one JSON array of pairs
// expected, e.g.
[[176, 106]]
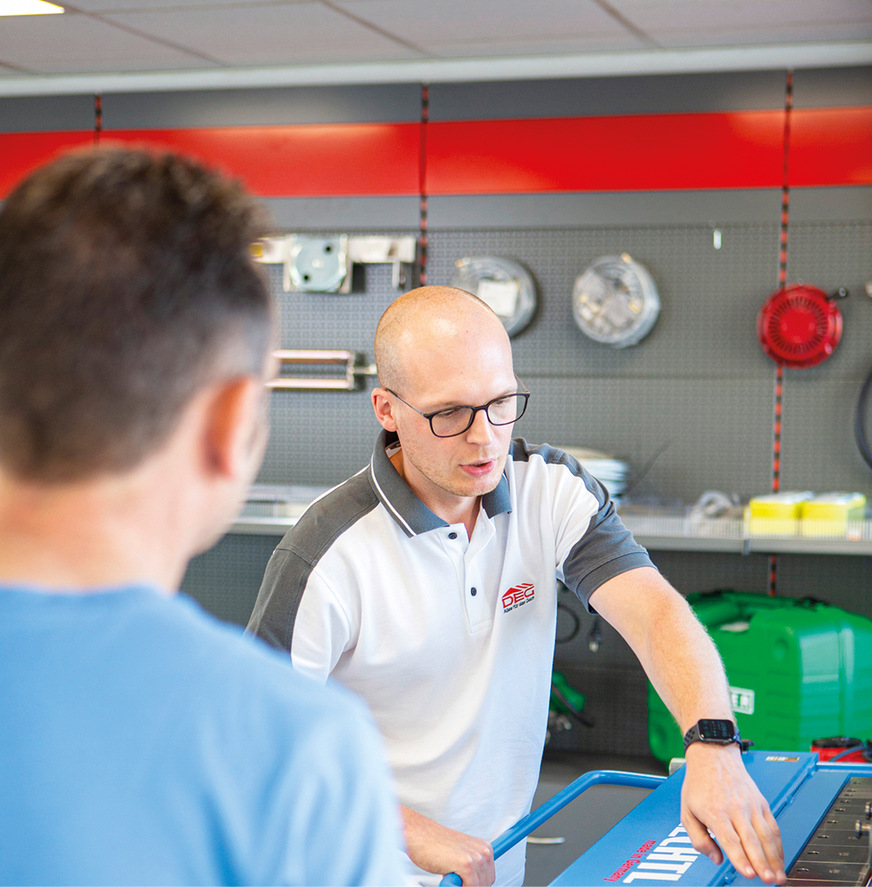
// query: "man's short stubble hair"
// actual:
[[126, 284]]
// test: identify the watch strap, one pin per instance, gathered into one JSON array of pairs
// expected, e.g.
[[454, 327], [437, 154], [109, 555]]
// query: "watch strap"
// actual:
[[715, 732]]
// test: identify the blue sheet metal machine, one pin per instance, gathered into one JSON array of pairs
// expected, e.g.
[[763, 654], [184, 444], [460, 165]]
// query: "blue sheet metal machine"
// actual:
[[824, 812]]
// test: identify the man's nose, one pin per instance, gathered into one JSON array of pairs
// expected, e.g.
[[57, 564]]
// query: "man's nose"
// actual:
[[481, 428]]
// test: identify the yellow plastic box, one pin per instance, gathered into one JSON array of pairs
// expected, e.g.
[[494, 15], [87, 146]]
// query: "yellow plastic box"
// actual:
[[776, 514], [829, 514]]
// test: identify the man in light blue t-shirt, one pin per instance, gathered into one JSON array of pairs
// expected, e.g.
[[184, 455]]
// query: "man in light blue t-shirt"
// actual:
[[141, 741]]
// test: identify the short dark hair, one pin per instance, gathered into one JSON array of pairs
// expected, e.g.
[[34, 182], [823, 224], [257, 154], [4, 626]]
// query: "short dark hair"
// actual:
[[126, 284]]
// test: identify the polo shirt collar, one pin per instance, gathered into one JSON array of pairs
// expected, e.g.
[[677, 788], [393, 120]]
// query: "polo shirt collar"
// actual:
[[405, 507]]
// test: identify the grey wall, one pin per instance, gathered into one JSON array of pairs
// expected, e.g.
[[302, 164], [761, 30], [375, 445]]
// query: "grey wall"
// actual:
[[698, 390]]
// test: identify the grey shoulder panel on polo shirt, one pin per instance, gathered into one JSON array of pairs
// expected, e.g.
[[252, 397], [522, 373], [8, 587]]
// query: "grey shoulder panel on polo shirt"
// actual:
[[521, 451], [299, 552], [607, 543]]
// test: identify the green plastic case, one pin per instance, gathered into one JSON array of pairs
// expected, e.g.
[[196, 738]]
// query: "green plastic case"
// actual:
[[798, 670]]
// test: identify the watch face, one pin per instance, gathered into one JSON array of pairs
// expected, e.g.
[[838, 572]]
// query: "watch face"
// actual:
[[717, 731]]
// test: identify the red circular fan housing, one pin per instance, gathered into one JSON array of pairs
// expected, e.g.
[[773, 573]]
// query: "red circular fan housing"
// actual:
[[799, 326]]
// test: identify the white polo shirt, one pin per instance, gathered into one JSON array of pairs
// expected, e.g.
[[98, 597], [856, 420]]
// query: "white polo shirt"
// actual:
[[449, 640]]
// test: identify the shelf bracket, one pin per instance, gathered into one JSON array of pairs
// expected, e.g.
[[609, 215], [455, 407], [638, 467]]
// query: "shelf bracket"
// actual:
[[351, 378]]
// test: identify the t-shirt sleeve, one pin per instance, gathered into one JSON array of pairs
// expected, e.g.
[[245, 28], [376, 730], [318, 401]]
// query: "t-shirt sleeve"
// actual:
[[297, 612], [272, 618], [332, 816], [355, 833], [594, 545]]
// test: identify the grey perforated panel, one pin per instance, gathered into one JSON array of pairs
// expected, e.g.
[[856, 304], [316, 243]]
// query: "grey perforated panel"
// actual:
[[251, 107], [709, 296], [651, 94], [226, 579], [832, 87], [47, 113], [819, 403], [320, 437]]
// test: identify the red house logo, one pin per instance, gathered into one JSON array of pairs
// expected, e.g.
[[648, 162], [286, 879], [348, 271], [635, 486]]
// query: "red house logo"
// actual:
[[518, 596]]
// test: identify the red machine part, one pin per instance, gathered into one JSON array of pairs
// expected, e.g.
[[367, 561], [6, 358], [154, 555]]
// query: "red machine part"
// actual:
[[839, 745], [799, 326]]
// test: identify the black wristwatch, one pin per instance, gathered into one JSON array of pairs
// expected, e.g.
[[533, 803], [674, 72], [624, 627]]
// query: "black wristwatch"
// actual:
[[715, 731]]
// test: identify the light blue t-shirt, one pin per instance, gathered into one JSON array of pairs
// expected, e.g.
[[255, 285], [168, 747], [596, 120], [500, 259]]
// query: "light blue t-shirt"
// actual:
[[144, 742]]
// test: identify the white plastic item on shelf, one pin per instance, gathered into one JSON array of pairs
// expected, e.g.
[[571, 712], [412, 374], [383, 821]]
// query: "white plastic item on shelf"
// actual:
[[611, 472], [279, 500]]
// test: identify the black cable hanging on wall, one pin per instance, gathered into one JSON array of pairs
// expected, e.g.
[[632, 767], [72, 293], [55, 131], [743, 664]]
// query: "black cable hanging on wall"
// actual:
[[860, 421]]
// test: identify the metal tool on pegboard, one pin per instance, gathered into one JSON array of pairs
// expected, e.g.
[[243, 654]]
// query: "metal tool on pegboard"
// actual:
[[354, 370], [324, 264]]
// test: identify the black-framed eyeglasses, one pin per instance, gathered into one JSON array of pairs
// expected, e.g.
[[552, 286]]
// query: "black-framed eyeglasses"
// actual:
[[503, 410]]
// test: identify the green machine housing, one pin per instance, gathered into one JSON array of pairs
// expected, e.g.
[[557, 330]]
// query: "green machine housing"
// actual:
[[798, 670]]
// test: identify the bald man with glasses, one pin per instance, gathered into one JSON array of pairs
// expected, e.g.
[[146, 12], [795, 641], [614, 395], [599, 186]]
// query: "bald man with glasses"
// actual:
[[426, 583]]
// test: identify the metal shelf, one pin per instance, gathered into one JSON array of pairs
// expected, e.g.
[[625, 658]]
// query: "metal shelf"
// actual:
[[272, 509], [802, 545], [262, 526], [666, 531], [671, 531]]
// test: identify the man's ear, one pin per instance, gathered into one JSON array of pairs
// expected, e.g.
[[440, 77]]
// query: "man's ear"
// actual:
[[234, 426], [384, 409]]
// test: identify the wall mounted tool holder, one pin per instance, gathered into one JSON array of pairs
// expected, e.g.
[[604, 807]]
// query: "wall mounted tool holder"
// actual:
[[353, 370], [324, 265]]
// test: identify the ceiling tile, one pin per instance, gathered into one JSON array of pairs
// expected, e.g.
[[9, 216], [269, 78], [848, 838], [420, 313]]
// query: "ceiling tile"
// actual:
[[673, 23], [468, 49], [129, 36], [102, 6], [487, 23], [274, 34], [69, 43]]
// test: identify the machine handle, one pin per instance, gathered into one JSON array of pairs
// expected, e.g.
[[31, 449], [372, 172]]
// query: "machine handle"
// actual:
[[529, 823]]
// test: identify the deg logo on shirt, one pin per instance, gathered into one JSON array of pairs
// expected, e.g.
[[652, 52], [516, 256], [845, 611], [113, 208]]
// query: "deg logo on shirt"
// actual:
[[518, 596]]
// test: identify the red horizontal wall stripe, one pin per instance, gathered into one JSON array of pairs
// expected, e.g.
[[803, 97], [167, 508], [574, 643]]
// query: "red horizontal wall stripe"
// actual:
[[300, 161], [828, 146], [831, 146], [621, 153], [22, 152]]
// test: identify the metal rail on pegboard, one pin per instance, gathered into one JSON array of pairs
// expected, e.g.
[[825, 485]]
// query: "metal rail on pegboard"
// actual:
[[422, 186], [782, 282], [98, 117]]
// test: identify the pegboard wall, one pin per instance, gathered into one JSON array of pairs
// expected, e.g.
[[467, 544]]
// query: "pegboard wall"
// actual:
[[465, 169]]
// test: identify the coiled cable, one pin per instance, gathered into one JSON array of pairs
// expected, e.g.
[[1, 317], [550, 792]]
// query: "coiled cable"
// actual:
[[860, 421]]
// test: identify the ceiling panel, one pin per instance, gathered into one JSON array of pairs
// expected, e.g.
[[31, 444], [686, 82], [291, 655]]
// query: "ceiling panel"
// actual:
[[284, 42], [793, 33], [128, 5], [69, 43], [271, 34], [747, 22], [530, 46], [484, 22]]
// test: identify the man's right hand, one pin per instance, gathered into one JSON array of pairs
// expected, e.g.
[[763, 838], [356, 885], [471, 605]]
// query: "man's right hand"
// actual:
[[441, 850]]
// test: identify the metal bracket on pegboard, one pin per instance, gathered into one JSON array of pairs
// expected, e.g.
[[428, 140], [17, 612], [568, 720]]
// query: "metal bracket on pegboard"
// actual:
[[351, 378], [324, 264]]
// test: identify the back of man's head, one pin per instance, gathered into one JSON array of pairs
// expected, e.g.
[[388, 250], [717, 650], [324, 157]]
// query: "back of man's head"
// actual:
[[126, 284]]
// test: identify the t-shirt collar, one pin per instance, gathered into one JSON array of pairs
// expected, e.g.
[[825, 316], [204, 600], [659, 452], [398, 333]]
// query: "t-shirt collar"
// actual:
[[405, 507]]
